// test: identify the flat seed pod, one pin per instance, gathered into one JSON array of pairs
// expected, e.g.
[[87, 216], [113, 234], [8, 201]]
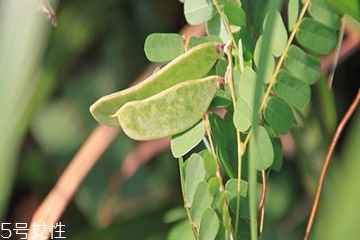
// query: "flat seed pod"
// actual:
[[193, 64], [169, 112]]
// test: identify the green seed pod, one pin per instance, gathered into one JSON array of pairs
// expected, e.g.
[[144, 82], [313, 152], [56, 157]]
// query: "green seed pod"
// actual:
[[168, 112], [193, 64]]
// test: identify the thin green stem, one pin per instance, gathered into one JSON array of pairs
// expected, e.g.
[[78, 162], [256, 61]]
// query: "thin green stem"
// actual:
[[226, 24], [229, 229], [192, 225], [230, 81]]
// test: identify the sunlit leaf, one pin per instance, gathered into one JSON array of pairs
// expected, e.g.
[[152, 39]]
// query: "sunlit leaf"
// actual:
[[278, 115], [316, 37], [302, 65], [161, 47], [292, 90], [183, 142]]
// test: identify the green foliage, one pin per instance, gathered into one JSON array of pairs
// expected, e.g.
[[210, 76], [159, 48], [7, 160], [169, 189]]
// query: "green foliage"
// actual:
[[267, 78]]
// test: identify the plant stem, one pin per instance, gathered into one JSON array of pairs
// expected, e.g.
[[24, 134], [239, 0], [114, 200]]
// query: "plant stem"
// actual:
[[230, 81], [219, 177], [336, 136], [226, 24], [181, 165]]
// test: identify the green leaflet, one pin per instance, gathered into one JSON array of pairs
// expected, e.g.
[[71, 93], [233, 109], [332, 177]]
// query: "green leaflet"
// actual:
[[278, 115], [270, 66], [351, 7], [181, 230], [193, 64], [292, 90], [278, 154], [231, 197], [262, 148], [194, 174], [279, 36], [194, 41], [293, 13], [216, 27], [247, 85], [324, 13], [161, 47], [169, 112], [316, 37], [202, 200], [242, 115], [209, 225], [183, 142], [234, 13], [198, 11], [302, 65]]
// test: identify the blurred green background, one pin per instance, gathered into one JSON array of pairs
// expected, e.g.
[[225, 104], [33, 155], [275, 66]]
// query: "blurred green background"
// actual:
[[50, 76]]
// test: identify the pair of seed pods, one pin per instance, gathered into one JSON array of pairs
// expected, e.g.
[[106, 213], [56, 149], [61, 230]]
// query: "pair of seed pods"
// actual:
[[168, 102]]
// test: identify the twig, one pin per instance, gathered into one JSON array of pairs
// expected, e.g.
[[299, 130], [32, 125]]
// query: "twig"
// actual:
[[337, 134]]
